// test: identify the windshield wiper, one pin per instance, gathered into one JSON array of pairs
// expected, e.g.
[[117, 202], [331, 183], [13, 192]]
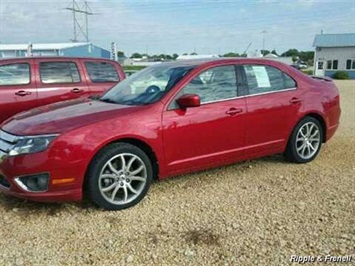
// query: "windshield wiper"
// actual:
[[95, 97], [107, 100]]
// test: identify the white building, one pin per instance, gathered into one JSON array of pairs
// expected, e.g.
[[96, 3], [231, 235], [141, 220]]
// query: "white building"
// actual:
[[334, 52], [197, 56]]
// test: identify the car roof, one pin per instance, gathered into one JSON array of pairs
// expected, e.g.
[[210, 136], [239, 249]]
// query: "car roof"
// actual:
[[55, 57], [221, 60]]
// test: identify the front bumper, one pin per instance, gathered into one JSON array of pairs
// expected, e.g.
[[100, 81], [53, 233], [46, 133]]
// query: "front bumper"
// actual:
[[61, 196], [59, 170]]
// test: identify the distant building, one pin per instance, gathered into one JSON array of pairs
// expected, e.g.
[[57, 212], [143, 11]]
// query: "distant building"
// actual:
[[121, 59], [334, 52], [254, 54], [197, 56], [144, 62], [53, 49], [128, 61]]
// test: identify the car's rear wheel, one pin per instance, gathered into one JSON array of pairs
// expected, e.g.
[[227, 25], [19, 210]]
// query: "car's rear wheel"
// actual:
[[119, 176], [305, 141]]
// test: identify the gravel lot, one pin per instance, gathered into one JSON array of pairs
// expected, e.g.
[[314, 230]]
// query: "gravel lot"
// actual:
[[252, 213]]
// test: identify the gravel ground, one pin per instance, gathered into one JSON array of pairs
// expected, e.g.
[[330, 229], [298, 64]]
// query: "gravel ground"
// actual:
[[252, 213]]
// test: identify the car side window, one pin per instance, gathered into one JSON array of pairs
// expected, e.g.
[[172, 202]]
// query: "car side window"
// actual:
[[101, 72], [263, 79], [215, 84], [59, 72], [15, 74]]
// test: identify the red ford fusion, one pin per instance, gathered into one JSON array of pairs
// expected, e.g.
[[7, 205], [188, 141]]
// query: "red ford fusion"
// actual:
[[167, 119]]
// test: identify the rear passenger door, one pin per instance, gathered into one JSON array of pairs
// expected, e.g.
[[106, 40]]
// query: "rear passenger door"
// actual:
[[17, 88], [60, 80], [273, 103], [101, 75]]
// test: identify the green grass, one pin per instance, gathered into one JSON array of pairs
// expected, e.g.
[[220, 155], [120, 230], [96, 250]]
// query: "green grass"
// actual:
[[133, 67], [307, 71]]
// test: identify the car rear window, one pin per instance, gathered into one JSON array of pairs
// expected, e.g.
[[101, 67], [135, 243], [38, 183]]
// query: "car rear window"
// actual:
[[102, 72], [15, 74], [263, 79], [59, 72]]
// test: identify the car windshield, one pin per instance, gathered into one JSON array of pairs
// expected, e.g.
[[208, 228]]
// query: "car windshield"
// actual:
[[147, 86]]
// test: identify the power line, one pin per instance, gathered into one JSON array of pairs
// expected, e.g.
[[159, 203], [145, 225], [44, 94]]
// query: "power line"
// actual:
[[86, 11]]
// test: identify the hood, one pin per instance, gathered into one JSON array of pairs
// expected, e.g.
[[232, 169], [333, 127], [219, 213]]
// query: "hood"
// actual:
[[64, 116]]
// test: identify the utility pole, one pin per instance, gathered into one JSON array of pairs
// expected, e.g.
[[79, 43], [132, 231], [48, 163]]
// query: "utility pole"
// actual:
[[85, 10], [263, 33]]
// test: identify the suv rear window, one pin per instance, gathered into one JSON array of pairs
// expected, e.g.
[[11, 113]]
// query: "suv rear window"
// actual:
[[102, 72], [59, 72], [15, 74]]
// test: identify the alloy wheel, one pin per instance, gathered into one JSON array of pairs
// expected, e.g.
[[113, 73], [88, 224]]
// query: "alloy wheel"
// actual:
[[122, 178], [308, 140]]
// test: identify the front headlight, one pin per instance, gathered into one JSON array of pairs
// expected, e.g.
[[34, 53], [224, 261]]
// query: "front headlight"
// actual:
[[31, 144]]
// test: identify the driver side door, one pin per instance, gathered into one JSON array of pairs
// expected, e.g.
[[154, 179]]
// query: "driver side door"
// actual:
[[211, 134]]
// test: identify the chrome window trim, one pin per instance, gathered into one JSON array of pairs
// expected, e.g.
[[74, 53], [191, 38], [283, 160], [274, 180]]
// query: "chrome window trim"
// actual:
[[250, 95]]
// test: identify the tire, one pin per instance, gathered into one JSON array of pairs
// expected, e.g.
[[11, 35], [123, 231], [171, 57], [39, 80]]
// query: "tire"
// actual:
[[118, 177], [305, 141]]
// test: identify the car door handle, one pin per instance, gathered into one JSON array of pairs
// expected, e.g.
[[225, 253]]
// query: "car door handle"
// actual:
[[234, 111], [23, 93], [295, 100], [76, 90]]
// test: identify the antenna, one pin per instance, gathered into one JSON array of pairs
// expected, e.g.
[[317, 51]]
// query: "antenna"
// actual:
[[85, 10], [246, 50]]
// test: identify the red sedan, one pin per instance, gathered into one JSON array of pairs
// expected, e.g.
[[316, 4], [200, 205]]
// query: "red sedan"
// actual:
[[166, 120]]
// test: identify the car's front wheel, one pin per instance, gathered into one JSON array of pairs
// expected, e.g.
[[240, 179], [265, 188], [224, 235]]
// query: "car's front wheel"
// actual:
[[119, 176], [305, 141]]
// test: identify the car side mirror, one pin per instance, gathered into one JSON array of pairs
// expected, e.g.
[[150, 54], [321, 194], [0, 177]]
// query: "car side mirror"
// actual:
[[189, 100]]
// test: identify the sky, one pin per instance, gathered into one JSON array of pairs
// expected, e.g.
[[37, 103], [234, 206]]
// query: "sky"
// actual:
[[157, 26]]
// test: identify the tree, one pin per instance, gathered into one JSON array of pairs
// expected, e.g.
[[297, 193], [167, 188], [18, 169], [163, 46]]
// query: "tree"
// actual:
[[231, 54], [291, 52], [264, 52], [194, 53], [175, 56], [184, 54], [169, 57], [120, 54], [136, 55], [307, 56]]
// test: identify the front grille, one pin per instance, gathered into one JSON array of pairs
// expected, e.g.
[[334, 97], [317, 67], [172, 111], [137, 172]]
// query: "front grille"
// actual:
[[7, 142]]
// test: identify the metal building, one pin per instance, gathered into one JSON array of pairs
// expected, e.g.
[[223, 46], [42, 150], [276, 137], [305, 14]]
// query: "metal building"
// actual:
[[334, 52], [53, 49]]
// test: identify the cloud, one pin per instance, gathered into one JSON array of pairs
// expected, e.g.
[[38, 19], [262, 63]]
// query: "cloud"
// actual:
[[167, 27]]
